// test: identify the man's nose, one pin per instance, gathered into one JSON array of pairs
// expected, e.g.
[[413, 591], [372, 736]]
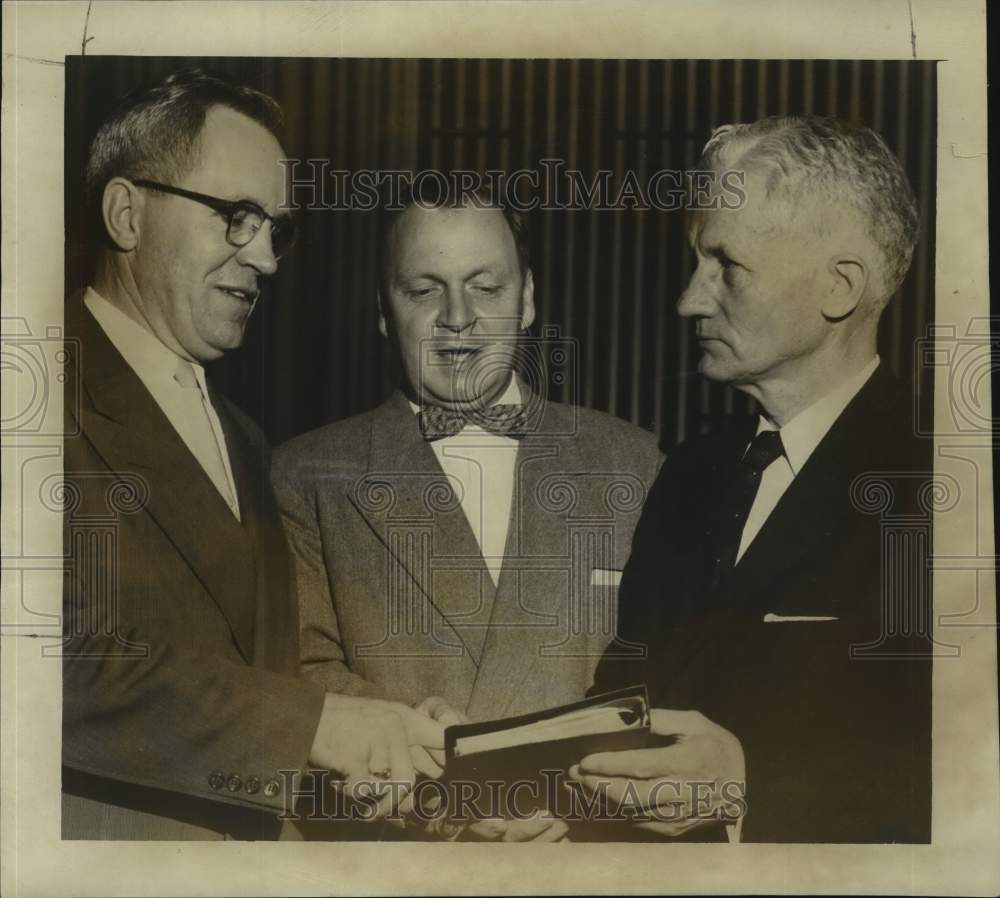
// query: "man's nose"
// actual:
[[259, 253], [457, 314], [696, 301]]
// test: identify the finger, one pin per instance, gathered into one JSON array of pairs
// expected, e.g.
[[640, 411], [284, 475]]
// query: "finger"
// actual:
[[426, 706], [540, 828], [444, 828], [378, 758], [447, 716], [667, 722], [405, 807], [489, 828], [421, 730], [423, 762], [399, 753], [525, 830], [622, 792], [608, 787], [646, 763], [365, 792], [438, 756], [388, 806], [639, 763], [556, 832], [438, 709], [673, 829]]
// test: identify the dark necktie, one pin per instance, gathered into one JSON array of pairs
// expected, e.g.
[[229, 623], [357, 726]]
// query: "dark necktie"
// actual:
[[765, 448], [508, 420]]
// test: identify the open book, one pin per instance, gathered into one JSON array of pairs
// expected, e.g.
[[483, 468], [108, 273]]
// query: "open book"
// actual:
[[539, 746]]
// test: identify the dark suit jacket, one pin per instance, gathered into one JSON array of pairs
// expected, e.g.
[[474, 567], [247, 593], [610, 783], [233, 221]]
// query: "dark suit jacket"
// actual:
[[837, 744], [181, 649], [395, 599]]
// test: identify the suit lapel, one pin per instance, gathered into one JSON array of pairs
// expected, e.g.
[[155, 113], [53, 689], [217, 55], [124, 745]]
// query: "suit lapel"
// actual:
[[409, 503], [276, 624], [127, 427], [533, 589], [816, 503], [814, 510]]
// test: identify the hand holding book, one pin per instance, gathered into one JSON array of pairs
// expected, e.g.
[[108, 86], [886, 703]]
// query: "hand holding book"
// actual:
[[698, 779]]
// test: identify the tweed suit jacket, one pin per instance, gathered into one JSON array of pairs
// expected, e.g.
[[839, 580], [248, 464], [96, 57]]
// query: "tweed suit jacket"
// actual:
[[395, 599]]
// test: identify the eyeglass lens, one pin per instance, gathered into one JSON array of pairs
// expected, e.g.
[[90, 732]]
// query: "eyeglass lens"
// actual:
[[246, 221]]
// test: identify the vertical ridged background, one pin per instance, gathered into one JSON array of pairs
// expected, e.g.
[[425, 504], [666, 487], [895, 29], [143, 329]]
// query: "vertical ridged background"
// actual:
[[608, 279]]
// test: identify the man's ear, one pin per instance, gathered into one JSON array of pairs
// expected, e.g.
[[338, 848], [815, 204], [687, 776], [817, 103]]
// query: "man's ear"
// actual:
[[383, 327], [121, 209], [848, 283], [527, 300]]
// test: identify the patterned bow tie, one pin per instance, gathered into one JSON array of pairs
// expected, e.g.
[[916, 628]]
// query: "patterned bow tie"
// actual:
[[508, 420]]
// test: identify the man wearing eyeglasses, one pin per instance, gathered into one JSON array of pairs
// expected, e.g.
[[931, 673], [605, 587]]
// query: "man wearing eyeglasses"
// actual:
[[184, 716]]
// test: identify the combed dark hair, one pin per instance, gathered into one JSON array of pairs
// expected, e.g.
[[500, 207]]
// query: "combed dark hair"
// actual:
[[849, 163], [418, 191], [155, 133]]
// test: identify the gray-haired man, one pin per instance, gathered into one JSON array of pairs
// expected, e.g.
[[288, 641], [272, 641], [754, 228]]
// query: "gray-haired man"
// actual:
[[760, 579]]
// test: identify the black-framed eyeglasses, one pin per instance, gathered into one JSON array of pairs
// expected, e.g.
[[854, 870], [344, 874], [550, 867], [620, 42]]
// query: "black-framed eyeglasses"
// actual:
[[243, 217]]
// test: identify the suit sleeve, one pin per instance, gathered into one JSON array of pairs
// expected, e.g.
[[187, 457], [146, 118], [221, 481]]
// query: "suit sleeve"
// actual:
[[142, 706], [640, 585], [173, 720], [322, 652]]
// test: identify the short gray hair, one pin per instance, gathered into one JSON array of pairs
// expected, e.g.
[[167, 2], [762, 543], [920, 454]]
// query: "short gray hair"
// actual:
[[155, 134], [847, 162]]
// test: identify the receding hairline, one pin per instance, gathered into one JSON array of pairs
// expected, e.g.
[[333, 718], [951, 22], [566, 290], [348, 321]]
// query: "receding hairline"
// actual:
[[788, 201], [391, 238]]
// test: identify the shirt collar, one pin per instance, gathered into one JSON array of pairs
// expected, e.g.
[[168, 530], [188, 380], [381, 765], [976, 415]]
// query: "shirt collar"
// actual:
[[142, 351], [803, 433]]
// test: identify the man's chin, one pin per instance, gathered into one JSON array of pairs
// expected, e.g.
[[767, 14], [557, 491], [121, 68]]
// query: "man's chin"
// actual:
[[462, 397], [209, 351], [713, 369]]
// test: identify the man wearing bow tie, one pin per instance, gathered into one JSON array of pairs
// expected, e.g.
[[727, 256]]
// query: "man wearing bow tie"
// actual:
[[463, 539], [780, 574]]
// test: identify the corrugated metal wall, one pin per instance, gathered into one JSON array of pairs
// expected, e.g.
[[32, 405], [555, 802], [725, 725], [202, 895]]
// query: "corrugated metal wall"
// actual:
[[608, 279]]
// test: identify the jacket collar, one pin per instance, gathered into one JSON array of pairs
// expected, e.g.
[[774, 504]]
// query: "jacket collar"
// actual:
[[126, 427]]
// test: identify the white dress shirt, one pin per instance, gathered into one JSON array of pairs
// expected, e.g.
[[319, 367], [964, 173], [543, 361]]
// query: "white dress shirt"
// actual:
[[480, 466], [800, 437], [179, 389]]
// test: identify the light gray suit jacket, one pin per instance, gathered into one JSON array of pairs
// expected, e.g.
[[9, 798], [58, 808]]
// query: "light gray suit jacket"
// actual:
[[395, 599]]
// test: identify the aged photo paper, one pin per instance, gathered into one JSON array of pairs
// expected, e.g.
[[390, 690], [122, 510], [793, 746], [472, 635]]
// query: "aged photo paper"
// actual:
[[587, 399]]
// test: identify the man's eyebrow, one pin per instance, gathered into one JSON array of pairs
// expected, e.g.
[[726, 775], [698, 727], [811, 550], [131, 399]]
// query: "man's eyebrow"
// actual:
[[716, 249], [260, 204], [415, 275], [486, 269]]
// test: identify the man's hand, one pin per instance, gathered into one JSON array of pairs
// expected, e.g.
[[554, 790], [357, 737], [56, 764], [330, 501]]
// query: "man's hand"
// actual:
[[539, 827], [536, 828], [438, 709], [679, 787], [371, 741]]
